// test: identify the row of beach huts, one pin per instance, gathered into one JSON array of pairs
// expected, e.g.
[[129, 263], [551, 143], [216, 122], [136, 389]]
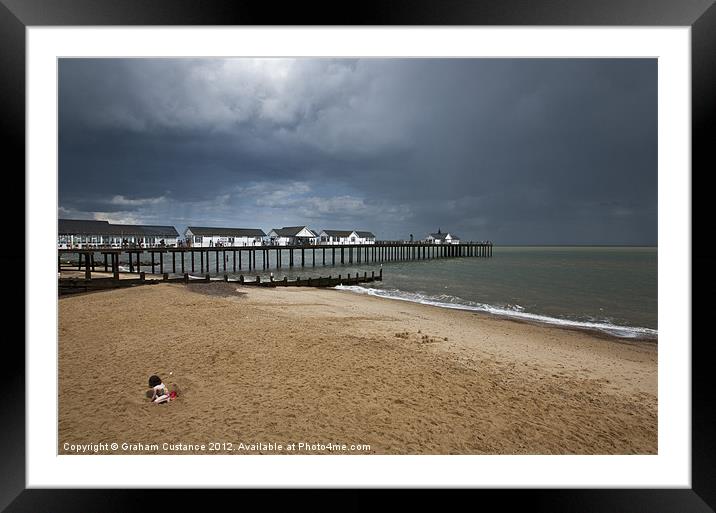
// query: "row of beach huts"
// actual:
[[80, 233]]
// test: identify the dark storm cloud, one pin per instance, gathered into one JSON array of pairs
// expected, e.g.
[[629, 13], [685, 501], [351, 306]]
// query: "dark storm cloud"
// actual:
[[515, 151]]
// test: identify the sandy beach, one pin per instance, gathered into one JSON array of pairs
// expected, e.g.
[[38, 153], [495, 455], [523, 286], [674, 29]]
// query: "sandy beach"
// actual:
[[319, 366]]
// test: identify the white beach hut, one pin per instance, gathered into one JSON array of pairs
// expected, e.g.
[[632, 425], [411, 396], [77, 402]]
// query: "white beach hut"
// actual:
[[442, 238], [292, 236], [208, 237]]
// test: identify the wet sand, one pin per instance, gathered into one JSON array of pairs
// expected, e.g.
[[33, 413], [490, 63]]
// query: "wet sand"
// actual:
[[319, 366]]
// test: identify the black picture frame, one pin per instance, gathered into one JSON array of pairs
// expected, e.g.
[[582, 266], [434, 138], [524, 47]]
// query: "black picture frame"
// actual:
[[700, 15]]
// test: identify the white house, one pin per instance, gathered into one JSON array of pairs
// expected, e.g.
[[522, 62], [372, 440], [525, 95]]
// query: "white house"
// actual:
[[346, 237], [365, 237], [292, 236], [208, 237], [82, 233], [442, 238]]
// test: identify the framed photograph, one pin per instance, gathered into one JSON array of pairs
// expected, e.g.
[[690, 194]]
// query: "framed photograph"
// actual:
[[502, 199]]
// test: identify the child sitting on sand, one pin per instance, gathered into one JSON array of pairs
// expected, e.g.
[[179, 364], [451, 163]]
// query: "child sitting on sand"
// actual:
[[159, 392]]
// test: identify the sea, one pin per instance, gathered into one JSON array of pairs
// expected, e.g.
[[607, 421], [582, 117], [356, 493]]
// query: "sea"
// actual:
[[612, 290]]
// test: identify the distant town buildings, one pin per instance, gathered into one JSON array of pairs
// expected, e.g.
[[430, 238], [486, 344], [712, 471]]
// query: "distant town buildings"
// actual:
[[80, 233], [206, 237]]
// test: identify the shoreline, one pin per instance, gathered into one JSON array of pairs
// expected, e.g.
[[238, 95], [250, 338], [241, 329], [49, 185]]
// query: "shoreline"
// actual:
[[597, 331], [601, 332], [308, 364]]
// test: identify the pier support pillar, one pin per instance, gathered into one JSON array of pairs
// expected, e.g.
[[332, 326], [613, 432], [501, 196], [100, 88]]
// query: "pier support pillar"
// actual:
[[88, 271]]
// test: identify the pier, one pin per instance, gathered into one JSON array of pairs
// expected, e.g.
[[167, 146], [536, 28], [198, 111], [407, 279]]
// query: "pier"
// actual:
[[234, 259]]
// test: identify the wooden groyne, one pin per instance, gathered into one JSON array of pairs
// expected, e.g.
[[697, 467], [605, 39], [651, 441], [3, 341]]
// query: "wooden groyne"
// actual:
[[237, 258], [68, 286]]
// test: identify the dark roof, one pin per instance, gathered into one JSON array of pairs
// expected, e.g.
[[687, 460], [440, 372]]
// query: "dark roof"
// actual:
[[365, 235], [339, 233], [83, 226], [227, 232], [289, 231], [146, 229], [90, 227]]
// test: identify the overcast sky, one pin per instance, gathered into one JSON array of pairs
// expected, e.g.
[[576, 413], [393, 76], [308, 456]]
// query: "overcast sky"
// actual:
[[517, 151]]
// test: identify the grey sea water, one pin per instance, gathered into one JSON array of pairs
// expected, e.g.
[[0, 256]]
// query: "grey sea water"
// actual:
[[611, 289]]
